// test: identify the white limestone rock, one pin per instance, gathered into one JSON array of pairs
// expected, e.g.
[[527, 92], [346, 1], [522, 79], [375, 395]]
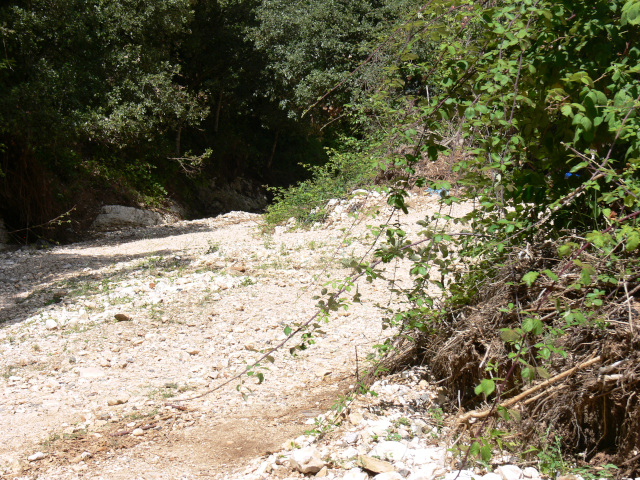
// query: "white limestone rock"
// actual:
[[307, 460], [510, 472], [390, 450], [116, 217]]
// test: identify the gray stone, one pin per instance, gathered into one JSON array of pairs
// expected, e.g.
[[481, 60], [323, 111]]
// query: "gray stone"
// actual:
[[349, 452], [351, 438], [379, 427], [307, 460], [115, 217], [402, 468]]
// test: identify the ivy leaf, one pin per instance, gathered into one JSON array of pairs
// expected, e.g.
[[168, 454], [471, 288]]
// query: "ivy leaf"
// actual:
[[287, 330], [566, 249], [503, 413]]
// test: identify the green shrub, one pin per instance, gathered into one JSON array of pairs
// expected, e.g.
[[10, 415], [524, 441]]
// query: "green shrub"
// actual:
[[352, 167]]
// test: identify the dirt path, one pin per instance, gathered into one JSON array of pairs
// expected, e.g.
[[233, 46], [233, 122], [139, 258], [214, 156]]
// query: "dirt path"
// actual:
[[102, 398]]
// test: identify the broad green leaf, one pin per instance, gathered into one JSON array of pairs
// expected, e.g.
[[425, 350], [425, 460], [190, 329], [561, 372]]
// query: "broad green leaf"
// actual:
[[515, 414], [530, 278], [551, 275], [533, 325], [487, 386], [630, 13], [528, 373], [566, 249], [474, 450], [485, 453], [566, 110], [509, 335], [633, 240], [542, 372]]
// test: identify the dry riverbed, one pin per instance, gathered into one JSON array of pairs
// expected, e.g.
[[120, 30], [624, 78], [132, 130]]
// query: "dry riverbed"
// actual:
[[109, 349]]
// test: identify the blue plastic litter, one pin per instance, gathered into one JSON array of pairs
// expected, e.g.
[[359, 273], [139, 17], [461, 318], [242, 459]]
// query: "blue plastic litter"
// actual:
[[440, 192]]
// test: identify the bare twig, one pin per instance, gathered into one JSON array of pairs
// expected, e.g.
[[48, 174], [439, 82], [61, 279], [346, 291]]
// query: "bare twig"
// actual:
[[512, 401]]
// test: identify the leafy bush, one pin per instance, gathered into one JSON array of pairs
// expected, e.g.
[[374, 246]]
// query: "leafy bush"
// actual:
[[540, 287], [347, 169]]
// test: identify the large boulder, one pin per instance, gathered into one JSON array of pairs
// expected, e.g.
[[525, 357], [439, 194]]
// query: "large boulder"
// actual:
[[116, 217]]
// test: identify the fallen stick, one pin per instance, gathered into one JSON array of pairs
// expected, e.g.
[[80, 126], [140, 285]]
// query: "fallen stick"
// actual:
[[475, 414]]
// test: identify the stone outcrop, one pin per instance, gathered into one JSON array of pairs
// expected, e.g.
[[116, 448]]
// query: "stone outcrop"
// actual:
[[239, 194], [116, 217], [4, 236]]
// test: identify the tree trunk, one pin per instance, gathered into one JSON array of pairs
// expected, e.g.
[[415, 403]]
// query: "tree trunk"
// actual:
[[273, 150], [217, 122]]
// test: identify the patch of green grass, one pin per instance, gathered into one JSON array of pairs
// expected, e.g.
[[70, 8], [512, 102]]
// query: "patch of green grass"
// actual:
[[9, 371], [168, 390], [214, 247], [402, 421], [79, 328], [248, 281], [78, 434], [50, 440], [345, 171], [120, 300]]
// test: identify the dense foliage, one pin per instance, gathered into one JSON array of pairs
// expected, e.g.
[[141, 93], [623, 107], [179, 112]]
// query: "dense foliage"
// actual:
[[542, 283], [165, 95], [546, 95]]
